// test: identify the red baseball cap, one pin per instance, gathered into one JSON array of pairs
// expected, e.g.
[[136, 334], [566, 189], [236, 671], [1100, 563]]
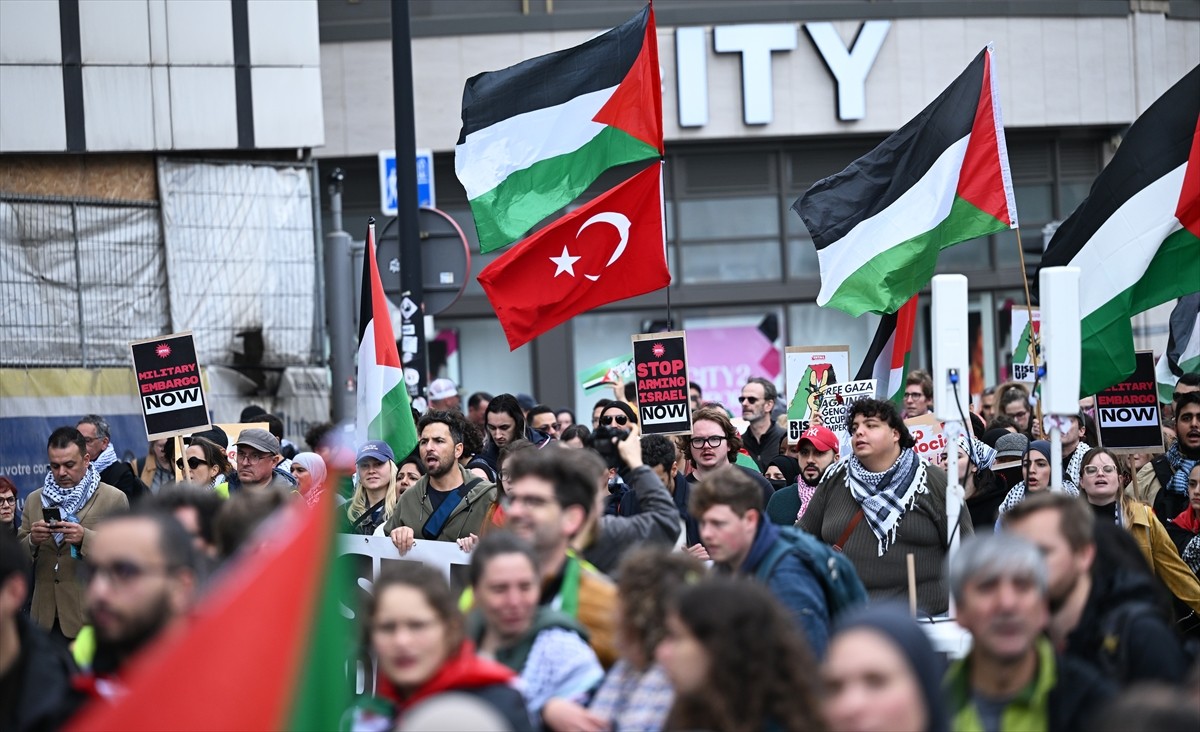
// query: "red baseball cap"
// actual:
[[821, 438]]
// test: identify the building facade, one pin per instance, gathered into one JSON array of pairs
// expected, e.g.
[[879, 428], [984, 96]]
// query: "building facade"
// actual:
[[761, 100]]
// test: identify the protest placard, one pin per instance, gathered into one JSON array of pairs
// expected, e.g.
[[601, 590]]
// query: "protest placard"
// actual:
[[835, 401], [606, 373], [927, 433], [660, 367], [1026, 331], [1127, 413], [168, 382], [363, 557], [808, 370]]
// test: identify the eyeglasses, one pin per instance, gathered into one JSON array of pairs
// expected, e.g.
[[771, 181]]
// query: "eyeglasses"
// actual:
[[90, 440], [620, 419], [120, 572], [747, 400], [9, 501], [508, 502], [1097, 469], [913, 394], [505, 476], [699, 442], [192, 462], [252, 457]]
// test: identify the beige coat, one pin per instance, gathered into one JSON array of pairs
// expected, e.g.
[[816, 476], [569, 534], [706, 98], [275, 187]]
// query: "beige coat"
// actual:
[[57, 583]]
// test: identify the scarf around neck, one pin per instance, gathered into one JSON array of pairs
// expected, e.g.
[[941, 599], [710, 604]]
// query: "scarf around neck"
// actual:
[[885, 496], [1181, 467], [1075, 464], [69, 500], [104, 459]]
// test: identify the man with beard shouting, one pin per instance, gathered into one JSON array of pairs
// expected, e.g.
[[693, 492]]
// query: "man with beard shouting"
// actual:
[[447, 503]]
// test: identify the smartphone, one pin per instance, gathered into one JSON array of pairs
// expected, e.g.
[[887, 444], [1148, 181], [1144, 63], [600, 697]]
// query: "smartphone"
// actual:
[[51, 514]]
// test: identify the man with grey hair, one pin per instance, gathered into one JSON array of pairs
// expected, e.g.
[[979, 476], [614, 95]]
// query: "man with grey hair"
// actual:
[[100, 451], [763, 436], [1012, 679]]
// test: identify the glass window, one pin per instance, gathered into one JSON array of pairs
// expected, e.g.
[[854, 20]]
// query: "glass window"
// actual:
[[712, 218], [810, 325], [600, 337], [740, 261], [480, 359], [967, 256], [802, 259]]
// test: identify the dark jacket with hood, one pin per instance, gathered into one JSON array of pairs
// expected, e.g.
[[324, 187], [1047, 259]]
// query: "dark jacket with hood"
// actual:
[[44, 697], [792, 584], [1123, 635]]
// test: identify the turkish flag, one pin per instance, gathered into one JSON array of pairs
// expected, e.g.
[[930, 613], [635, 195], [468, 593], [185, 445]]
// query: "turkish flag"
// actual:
[[610, 249]]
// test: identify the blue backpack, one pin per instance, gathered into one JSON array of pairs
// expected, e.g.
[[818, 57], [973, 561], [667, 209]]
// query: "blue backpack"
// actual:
[[843, 589]]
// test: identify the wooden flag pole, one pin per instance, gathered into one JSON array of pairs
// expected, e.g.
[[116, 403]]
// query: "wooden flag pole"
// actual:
[[1035, 339], [178, 458]]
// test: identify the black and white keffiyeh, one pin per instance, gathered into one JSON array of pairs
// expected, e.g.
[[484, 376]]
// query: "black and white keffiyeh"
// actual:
[[104, 459], [1075, 464], [979, 452], [884, 497], [69, 500]]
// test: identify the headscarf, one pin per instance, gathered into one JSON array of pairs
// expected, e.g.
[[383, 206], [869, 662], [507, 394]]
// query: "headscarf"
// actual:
[[315, 465], [980, 453], [788, 465], [1017, 493], [894, 623]]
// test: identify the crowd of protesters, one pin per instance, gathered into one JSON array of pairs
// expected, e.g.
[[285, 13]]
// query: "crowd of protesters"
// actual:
[[727, 579]]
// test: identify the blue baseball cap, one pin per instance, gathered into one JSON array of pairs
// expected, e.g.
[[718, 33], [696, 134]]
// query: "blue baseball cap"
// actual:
[[377, 449]]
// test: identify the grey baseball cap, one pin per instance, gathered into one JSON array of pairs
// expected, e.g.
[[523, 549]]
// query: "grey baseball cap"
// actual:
[[260, 440], [1010, 449]]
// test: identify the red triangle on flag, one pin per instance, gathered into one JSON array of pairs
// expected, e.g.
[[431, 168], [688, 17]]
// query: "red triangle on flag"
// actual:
[[982, 176], [234, 664], [636, 106]]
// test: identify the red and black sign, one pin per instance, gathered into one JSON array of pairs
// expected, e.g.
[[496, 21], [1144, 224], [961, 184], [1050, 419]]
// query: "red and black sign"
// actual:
[[660, 367], [1127, 413], [168, 382]]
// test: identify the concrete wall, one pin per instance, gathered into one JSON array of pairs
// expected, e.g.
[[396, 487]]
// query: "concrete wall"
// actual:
[[143, 75], [1053, 72]]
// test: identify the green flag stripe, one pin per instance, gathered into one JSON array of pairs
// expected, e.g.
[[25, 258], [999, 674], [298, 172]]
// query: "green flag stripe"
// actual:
[[322, 694], [394, 423], [889, 279], [508, 211], [1107, 332]]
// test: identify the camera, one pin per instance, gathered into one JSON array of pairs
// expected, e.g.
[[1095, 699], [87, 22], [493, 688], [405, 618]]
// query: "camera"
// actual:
[[601, 440]]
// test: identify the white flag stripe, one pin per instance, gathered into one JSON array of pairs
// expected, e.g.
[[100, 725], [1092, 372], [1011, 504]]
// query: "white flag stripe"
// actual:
[[919, 209], [488, 156], [374, 381], [1117, 255]]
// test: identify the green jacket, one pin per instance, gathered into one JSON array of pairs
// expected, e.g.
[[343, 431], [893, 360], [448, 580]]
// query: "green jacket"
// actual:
[[1028, 712], [414, 509]]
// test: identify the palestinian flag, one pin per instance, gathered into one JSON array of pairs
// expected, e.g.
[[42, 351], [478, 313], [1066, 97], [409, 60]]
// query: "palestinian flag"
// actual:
[[1136, 237], [266, 649], [384, 412], [941, 179], [1183, 347], [887, 358], [537, 134]]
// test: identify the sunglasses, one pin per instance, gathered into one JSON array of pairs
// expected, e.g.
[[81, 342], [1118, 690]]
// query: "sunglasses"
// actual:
[[620, 419], [192, 462], [748, 400]]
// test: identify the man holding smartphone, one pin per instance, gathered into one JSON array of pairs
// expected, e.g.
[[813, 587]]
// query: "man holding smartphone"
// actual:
[[55, 529]]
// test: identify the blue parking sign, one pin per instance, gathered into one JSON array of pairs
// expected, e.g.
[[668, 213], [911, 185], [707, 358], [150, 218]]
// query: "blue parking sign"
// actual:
[[387, 181]]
